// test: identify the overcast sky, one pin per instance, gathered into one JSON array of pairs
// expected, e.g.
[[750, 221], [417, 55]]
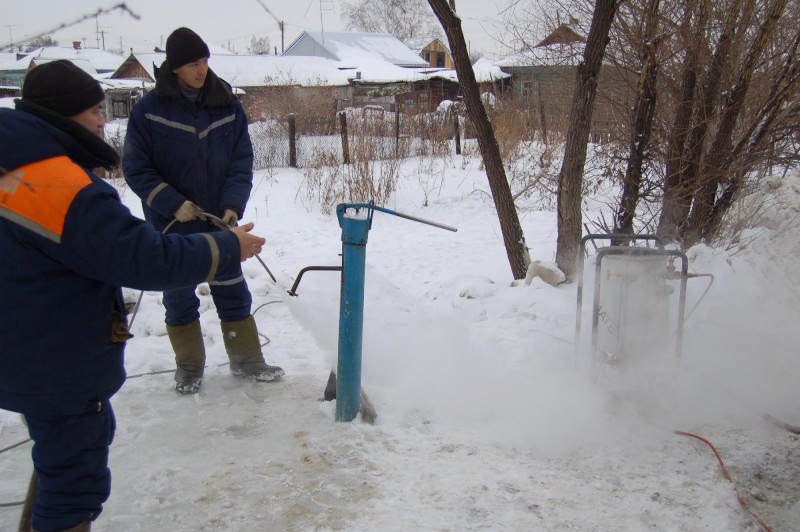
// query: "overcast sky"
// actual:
[[230, 23]]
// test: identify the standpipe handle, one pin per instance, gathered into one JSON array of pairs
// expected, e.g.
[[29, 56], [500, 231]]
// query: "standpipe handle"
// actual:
[[342, 208]]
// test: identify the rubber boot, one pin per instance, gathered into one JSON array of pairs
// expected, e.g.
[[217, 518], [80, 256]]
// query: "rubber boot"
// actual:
[[30, 500], [244, 351], [190, 356]]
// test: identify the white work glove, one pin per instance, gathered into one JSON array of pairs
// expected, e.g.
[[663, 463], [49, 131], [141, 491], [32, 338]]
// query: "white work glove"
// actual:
[[230, 217], [188, 211]]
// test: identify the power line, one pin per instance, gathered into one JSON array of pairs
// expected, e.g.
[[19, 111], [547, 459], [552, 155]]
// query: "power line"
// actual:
[[281, 24], [121, 6]]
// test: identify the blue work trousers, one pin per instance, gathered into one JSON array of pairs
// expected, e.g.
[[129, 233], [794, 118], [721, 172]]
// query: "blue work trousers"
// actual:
[[70, 456], [232, 299]]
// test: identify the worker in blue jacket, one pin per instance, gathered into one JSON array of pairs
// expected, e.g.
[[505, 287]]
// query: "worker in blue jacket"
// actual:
[[68, 245], [188, 152]]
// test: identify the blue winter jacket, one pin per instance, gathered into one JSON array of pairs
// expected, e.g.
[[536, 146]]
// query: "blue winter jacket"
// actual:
[[177, 150], [67, 244]]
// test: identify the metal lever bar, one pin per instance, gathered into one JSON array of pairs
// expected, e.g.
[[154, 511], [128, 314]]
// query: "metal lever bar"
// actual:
[[293, 291], [346, 206]]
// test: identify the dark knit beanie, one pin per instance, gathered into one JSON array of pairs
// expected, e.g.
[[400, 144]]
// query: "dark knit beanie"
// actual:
[[62, 87], [185, 46]]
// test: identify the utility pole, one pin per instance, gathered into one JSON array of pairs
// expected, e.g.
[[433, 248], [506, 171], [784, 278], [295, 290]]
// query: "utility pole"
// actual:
[[10, 37], [324, 5], [100, 32], [281, 24]]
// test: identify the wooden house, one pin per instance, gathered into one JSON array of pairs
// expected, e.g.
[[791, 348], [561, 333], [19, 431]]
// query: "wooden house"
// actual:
[[434, 52], [382, 70], [266, 85], [544, 81], [100, 62]]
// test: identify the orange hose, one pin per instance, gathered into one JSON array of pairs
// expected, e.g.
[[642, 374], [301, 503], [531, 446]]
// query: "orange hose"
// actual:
[[742, 502]]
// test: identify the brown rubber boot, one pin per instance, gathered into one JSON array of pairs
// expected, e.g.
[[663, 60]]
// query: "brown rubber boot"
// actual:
[[190, 356], [244, 351]]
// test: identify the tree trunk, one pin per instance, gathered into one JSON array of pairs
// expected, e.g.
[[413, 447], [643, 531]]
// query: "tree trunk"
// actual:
[[677, 200], [718, 162], [513, 237], [756, 139], [542, 114], [644, 111], [570, 178], [692, 178]]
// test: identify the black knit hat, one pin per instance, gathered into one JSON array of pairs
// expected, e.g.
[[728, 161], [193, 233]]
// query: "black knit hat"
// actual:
[[62, 87], [185, 46]]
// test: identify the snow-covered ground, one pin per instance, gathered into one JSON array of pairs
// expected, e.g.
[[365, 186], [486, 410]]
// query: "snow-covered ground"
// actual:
[[487, 419]]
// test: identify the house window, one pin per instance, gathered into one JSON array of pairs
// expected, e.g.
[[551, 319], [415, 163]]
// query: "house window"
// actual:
[[440, 59], [426, 55], [120, 109], [527, 91]]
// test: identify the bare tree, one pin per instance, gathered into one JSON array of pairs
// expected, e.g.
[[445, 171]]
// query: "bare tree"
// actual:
[[725, 110], [405, 19], [761, 132], [704, 110], [643, 113], [513, 237], [677, 196], [570, 178], [258, 45], [718, 161], [41, 42]]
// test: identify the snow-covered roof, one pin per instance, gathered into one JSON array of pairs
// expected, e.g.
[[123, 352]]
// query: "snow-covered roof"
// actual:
[[374, 70], [382, 72], [100, 60], [486, 71], [7, 57], [215, 49], [256, 70], [563, 34], [83, 64], [147, 60], [350, 49], [562, 47], [126, 84], [420, 43], [569, 54], [261, 70]]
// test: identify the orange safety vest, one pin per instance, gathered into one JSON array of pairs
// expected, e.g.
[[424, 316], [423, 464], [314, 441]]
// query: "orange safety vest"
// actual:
[[37, 196]]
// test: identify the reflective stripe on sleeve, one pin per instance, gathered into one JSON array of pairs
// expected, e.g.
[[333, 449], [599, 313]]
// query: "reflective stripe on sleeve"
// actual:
[[212, 243]]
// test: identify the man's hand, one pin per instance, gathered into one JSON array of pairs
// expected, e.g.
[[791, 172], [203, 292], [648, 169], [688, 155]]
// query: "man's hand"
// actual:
[[188, 211], [249, 245], [230, 217]]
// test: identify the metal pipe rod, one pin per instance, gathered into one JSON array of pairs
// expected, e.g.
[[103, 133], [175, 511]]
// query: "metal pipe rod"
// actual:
[[400, 215]]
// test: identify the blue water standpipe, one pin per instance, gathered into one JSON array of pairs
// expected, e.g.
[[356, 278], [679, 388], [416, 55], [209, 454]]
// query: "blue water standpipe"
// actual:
[[355, 219]]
